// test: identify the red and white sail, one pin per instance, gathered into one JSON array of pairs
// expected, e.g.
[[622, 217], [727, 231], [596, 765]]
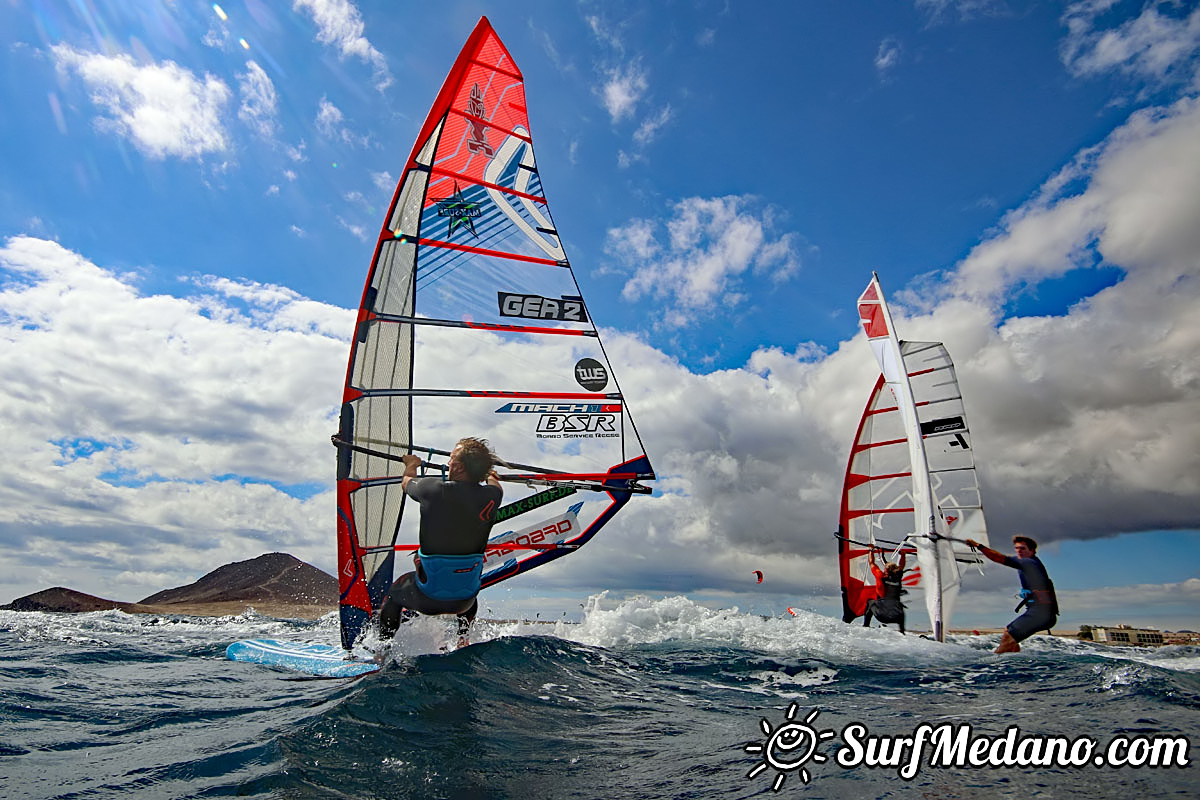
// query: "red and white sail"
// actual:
[[910, 482], [472, 324]]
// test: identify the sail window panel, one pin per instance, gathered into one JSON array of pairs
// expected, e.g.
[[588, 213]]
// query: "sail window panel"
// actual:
[[500, 291], [957, 489], [376, 511], [505, 361], [886, 493], [564, 436], [884, 426], [924, 355], [383, 359], [380, 424], [888, 459], [425, 157], [407, 215], [935, 389], [944, 453], [883, 527], [393, 277]]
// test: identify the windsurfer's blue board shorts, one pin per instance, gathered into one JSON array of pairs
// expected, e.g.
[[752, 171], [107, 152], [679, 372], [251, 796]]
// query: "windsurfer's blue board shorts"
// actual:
[[1036, 618]]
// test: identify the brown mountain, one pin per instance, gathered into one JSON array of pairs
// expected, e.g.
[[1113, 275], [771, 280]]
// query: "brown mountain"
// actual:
[[60, 598], [276, 584], [270, 578]]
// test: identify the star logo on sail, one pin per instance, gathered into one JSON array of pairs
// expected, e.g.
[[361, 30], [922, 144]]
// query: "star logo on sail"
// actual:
[[460, 211]]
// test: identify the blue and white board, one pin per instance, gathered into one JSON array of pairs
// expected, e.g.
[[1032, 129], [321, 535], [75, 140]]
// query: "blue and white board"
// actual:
[[315, 659]]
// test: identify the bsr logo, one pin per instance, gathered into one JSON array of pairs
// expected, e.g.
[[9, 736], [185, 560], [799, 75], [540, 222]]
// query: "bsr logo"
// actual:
[[576, 423]]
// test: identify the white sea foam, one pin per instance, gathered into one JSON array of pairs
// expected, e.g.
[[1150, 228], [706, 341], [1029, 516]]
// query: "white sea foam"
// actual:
[[643, 620]]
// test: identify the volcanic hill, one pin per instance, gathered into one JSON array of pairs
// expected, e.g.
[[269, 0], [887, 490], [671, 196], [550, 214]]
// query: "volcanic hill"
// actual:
[[276, 584]]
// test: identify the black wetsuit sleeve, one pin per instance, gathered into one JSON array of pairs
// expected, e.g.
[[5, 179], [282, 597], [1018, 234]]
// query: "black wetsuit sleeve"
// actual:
[[423, 490]]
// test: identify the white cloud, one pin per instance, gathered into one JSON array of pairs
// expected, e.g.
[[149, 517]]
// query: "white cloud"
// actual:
[[329, 124], [711, 243], [625, 159], [384, 181], [122, 412], [163, 109], [358, 230], [966, 9], [341, 25], [329, 118], [605, 34], [130, 413], [888, 56], [259, 100], [651, 126], [1152, 46], [622, 91]]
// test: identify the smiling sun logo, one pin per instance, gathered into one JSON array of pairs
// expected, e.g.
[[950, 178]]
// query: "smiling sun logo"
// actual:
[[788, 747]]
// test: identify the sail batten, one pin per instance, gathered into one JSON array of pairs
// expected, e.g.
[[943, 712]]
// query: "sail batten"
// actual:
[[469, 287]]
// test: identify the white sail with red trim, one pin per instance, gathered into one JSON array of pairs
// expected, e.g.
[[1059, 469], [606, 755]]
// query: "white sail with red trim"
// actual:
[[472, 324], [911, 484]]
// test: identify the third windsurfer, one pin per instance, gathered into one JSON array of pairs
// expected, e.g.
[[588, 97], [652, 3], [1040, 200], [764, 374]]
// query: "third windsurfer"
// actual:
[[1037, 592], [456, 517]]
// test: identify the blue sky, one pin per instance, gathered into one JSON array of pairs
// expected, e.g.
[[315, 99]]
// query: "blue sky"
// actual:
[[189, 195]]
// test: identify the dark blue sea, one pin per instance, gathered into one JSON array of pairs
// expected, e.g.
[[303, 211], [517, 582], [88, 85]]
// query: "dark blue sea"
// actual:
[[649, 698]]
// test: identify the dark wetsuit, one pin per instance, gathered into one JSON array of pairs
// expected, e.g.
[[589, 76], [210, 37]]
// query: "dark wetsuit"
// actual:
[[887, 607], [456, 517], [1041, 604]]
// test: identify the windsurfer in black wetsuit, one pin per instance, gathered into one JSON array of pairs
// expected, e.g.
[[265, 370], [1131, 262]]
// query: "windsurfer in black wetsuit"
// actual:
[[1037, 592], [456, 517], [886, 606]]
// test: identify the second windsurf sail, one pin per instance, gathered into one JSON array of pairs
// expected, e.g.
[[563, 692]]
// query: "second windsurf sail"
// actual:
[[911, 485]]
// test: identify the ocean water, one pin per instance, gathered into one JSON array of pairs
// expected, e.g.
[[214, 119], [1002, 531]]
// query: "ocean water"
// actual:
[[649, 698]]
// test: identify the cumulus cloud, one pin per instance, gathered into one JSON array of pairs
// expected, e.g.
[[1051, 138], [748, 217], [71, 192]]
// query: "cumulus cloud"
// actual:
[[1153, 46], [163, 109], [623, 89], [152, 428], [710, 244], [340, 24], [383, 181], [259, 101], [1084, 422]]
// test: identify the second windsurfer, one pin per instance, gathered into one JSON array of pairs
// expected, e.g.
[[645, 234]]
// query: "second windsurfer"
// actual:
[[887, 607], [1037, 592], [456, 517]]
